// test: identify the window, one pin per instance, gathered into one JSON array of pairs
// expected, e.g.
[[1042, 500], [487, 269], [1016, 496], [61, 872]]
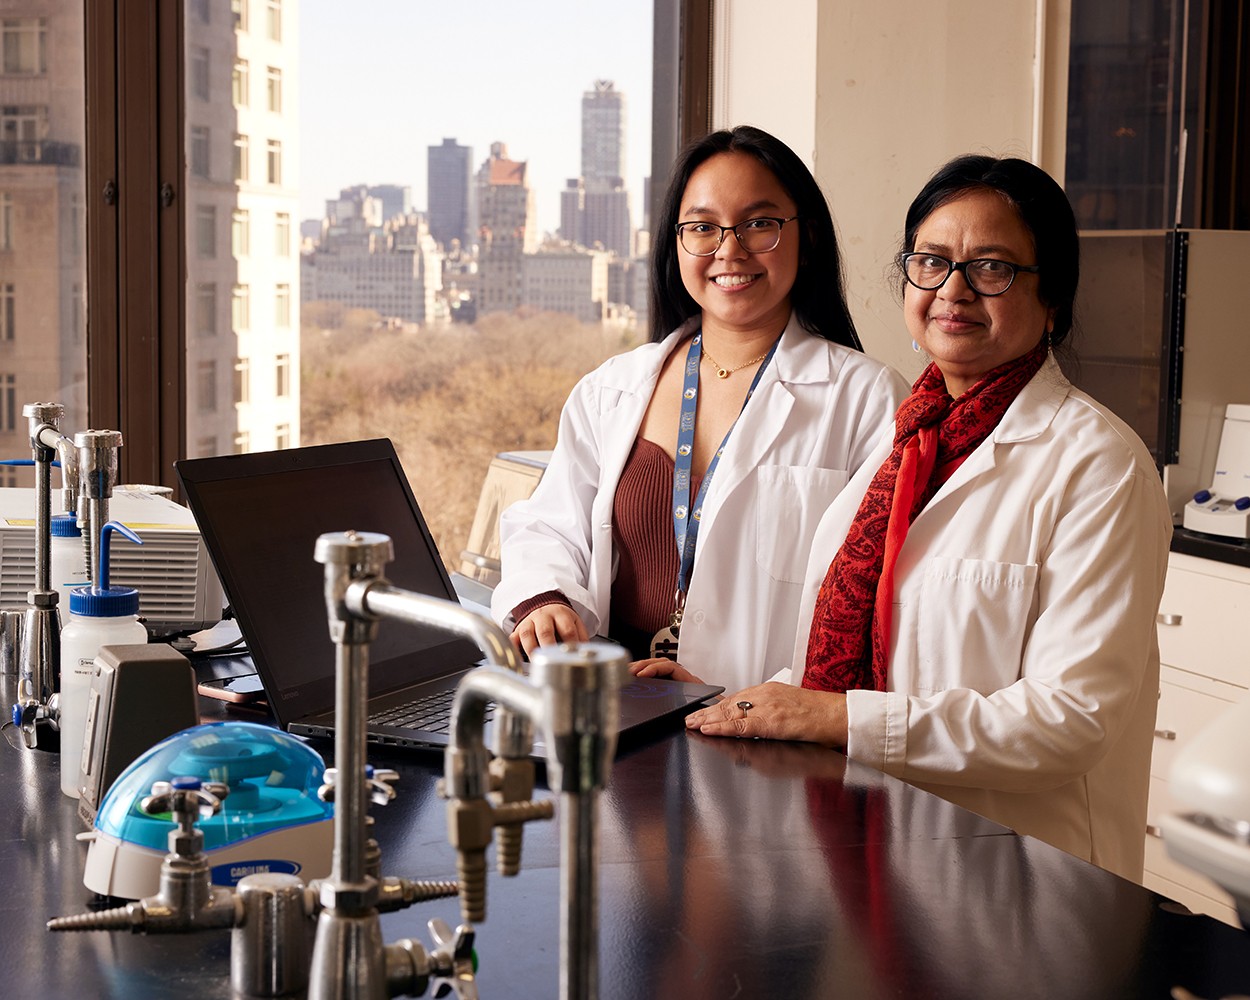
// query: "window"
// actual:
[[239, 83], [205, 447], [274, 16], [8, 312], [274, 175], [282, 436], [240, 232], [206, 309], [240, 308], [6, 221], [242, 380], [78, 314], [241, 157], [201, 10], [199, 151], [206, 231], [242, 443], [22, 129], [206, 386], [282, 234], [24, 46], [239, 9], [274, 89], [8, 403], [77, 224], [199, 73], [282, 376], [282, 306]]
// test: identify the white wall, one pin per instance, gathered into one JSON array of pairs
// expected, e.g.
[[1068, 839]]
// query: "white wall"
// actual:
[[764, 69], [891, 91]]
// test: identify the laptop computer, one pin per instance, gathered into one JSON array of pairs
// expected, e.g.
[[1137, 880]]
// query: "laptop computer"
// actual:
[[260, 516]]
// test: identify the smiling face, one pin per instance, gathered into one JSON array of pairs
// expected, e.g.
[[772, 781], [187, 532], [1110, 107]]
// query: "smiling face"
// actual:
[[967, 334], [740, 292]]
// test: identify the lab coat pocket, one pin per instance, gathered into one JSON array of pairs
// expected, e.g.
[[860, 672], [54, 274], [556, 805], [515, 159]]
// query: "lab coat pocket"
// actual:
[[789, 502], [973, 618]]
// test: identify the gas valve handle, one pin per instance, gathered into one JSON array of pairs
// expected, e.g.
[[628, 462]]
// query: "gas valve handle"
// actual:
[[453, 961], [186, 798]]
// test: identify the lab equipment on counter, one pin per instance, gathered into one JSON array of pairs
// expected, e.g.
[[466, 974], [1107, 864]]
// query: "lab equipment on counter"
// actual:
[[69, 559], [272, 820], [1224, 508], [271, 777], [139, 696], [99, 615], [573, 693], [1211, 780], [36, 707], [178, 590]]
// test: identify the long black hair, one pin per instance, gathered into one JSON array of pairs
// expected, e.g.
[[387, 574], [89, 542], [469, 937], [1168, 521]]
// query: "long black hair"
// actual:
[[1043, 208], [818, 298]]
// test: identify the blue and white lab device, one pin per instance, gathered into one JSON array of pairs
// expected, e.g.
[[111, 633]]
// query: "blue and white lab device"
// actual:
[[272, 820]]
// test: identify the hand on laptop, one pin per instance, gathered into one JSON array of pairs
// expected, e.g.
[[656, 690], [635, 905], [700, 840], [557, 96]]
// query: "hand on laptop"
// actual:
[[549, 625], [662, 667]]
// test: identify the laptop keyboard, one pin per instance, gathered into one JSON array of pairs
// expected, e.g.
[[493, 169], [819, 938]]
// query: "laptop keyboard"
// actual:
[[430, 713]]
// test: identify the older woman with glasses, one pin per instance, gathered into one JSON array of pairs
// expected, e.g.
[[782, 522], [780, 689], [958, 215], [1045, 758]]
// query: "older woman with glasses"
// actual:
[[979, 617], [680, 502]]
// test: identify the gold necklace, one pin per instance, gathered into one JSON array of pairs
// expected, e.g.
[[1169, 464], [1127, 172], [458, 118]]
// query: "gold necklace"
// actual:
[[723, 372]]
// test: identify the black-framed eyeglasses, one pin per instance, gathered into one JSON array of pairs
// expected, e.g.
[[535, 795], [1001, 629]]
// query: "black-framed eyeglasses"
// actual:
[[758, 235], [985, 275]]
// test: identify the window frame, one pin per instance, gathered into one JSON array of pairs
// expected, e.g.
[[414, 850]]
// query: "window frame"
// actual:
[[138, 218]]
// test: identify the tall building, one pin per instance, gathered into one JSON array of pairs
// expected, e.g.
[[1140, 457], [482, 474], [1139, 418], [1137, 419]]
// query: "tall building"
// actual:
[[43, 350], [602, 220], [450, 193], [603, 133], [567, 280], [508, 230], [392, 266], [241, 205], [395, 199]]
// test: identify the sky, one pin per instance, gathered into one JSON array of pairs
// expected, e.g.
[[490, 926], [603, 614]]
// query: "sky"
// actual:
[[382, 80]]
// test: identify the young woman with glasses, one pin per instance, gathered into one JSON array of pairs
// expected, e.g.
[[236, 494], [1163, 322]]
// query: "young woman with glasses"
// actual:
[[678, 508], [979, 611]]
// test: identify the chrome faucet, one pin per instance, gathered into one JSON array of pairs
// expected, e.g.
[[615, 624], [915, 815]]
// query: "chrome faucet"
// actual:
[[41, 633], [573, 695]]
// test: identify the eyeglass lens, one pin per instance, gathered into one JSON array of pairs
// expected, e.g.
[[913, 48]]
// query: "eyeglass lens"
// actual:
[[988, 277], [754, 236]]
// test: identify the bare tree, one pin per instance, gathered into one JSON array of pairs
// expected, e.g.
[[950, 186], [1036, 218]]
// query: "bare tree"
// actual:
[[450, 398]]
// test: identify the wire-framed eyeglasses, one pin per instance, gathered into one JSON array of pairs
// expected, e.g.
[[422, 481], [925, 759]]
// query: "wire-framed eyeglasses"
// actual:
[[758, 235], [985, 275]]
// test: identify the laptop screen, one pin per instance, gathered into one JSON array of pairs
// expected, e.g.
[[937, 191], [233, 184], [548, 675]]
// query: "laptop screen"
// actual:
[[260, 516]]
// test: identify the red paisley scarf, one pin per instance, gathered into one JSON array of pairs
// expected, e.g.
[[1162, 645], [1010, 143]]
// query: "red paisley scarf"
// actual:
[[850, 633]]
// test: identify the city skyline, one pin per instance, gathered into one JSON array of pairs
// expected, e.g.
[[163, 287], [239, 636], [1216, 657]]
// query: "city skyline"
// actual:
[[477, 94]]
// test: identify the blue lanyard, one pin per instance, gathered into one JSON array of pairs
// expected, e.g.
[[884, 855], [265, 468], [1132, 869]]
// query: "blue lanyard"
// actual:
[[686, 528]]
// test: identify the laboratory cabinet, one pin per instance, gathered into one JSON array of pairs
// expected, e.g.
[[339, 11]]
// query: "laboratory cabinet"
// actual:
[[1201, 625]]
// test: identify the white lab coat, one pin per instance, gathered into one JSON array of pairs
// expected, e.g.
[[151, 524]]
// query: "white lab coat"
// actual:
[[817, 412], [1024, 663]]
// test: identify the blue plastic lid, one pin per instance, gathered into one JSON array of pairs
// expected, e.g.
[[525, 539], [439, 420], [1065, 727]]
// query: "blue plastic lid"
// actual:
[[273, 779], [105, 602], [65, 526]]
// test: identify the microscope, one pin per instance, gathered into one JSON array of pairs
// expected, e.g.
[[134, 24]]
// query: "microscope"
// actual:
[[572, 693]]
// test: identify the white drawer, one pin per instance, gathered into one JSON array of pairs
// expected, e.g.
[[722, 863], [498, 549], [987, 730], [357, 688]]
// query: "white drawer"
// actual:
[[1202, 625], [1187, 705], [1160, 863], [1195, 902]]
